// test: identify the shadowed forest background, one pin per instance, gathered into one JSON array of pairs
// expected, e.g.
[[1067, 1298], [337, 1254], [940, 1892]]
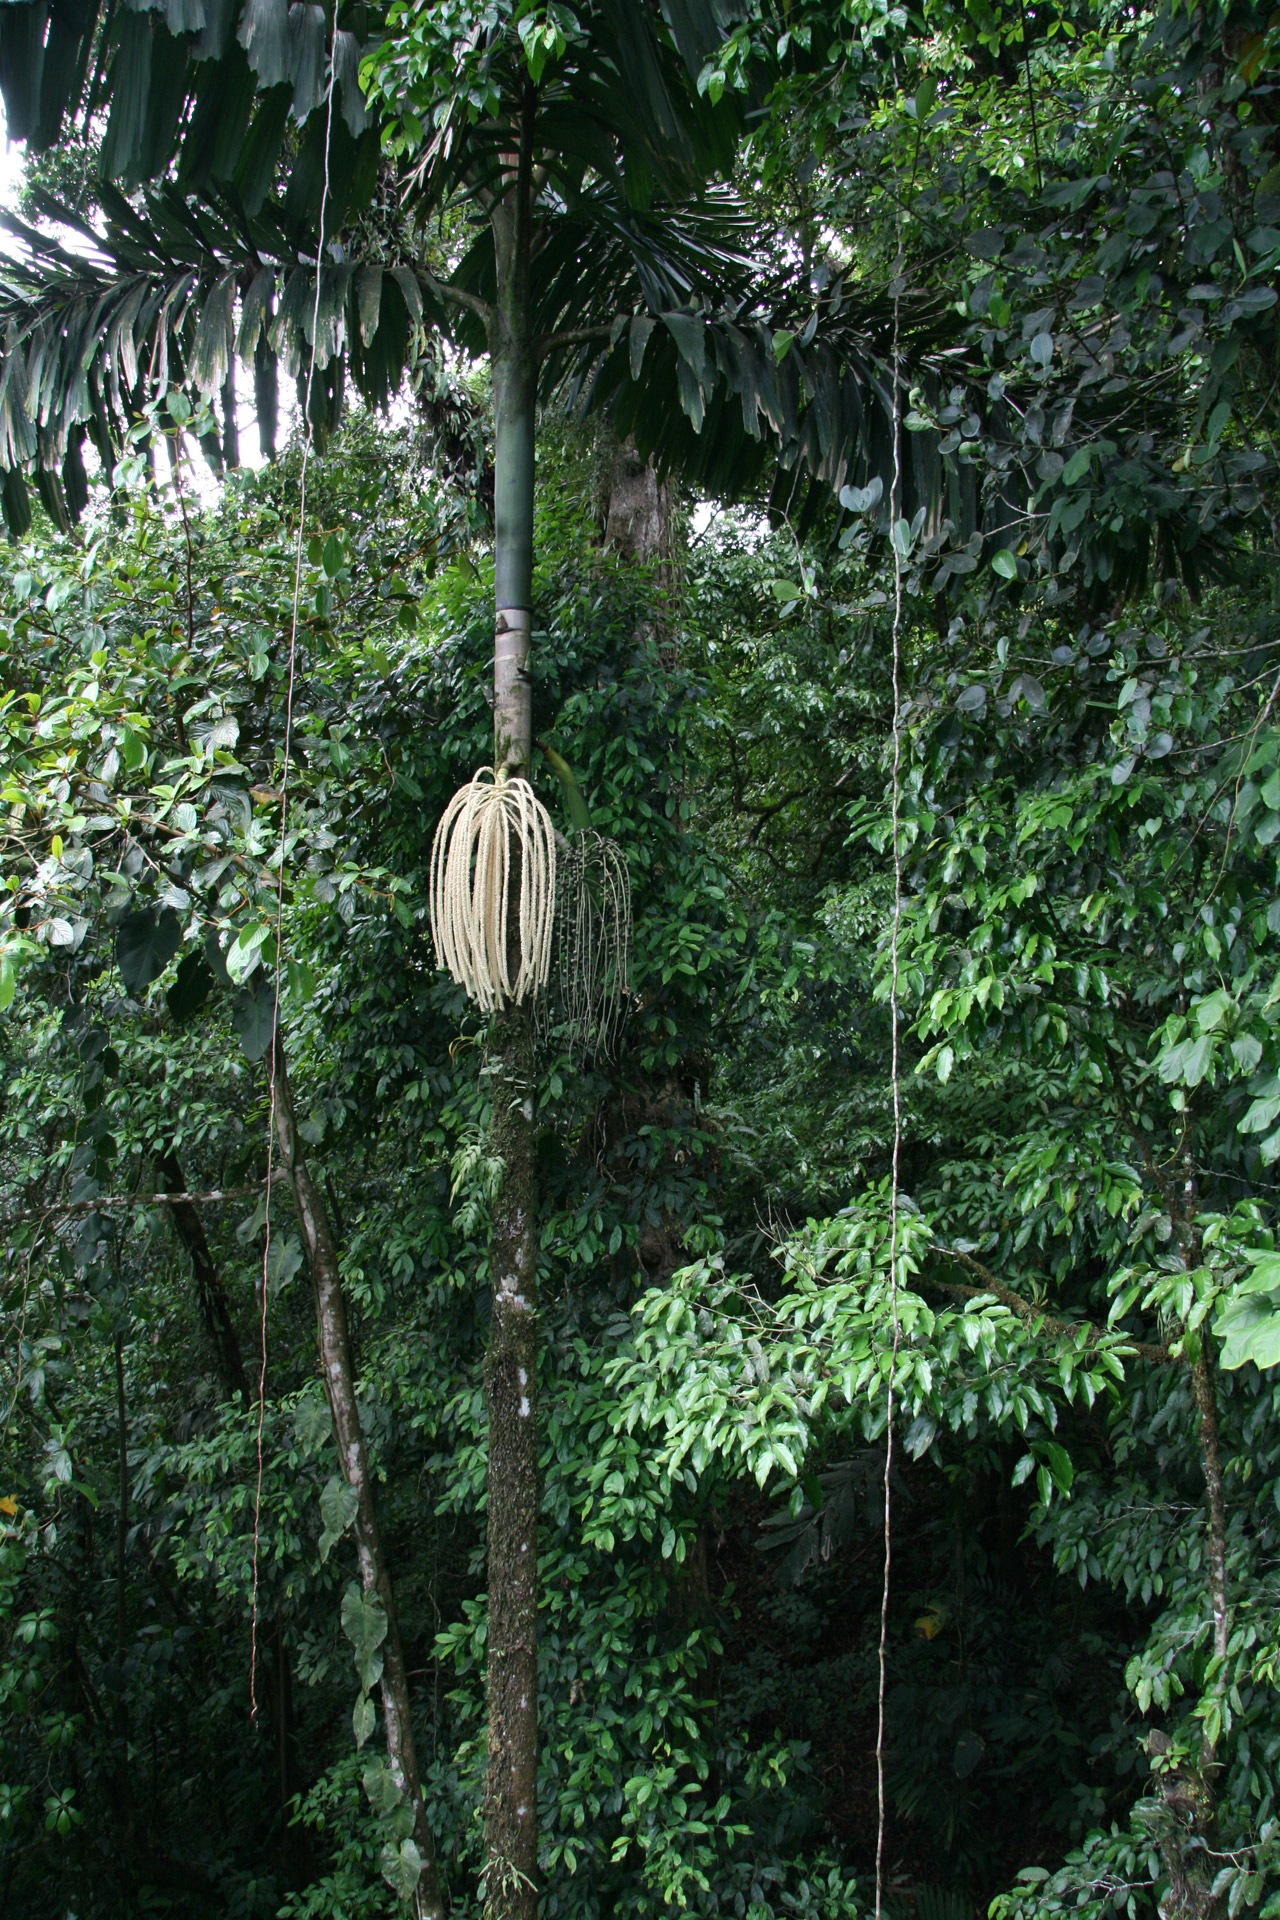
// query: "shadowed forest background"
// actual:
[[1060, 224]]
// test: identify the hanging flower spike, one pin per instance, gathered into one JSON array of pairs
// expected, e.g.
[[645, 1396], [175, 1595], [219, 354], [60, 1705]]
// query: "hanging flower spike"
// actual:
[[494, 830], [593, 947]]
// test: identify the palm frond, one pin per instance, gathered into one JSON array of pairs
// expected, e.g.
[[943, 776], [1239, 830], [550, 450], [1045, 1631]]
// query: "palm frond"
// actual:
[[171, 292]]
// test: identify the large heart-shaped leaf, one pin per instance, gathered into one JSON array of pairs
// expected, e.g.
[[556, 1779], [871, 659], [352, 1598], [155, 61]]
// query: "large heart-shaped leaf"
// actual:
[[363, 1719], [384, 1795], [364, 1621], [192, 987], [145, 944], [338, 1504], [401, 1866], [253, 1017]]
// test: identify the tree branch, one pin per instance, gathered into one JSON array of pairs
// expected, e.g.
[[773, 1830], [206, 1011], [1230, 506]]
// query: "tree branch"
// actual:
[[140, 1200], [1032, 1316], [461, 296], [575, 336]]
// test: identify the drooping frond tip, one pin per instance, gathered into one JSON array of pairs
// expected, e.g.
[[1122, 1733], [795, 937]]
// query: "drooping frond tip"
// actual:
[[495, 846]]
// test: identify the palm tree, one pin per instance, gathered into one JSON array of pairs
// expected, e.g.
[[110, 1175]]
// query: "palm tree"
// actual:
[[598, 251]]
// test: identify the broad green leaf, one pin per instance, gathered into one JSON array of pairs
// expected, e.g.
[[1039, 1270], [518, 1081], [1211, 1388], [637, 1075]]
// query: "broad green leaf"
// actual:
[[1265, 1277], [1198, 1059], [384, 1795], [284, 1259], [1077, 466], [1211, 1011], [363, 1719], [1059, 1463], [145, 944], [364, 1622], [1246, 1051], [968, 1751], [339, 1503], [253, 1017], [641, 328], [401, 1867], [245, 952], [1249, 1329], [302, 981]]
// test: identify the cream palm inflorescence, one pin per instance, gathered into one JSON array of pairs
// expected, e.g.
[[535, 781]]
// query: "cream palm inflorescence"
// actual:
[[493, 835]]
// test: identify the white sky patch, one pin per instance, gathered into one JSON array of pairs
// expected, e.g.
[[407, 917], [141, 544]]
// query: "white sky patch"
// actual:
[[10, 165], [710, 519]]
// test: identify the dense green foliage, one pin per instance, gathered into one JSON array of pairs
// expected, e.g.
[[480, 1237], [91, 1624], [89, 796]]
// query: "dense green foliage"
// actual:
[[1077, 215]]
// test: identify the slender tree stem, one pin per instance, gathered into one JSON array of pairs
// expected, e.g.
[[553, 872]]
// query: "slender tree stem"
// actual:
[[339, 1381], [122, 1507], [124, 1782], [1031, 95], [1203, 1385]]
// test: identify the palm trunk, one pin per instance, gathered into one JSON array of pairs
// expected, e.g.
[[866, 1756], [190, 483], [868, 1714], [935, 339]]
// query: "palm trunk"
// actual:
[[339, 1380], [511, 1383], [511, 1364], [514, 398], [230, 422]]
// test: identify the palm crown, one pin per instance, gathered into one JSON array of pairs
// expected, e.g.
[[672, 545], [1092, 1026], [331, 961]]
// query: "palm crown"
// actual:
[[648, 287]]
